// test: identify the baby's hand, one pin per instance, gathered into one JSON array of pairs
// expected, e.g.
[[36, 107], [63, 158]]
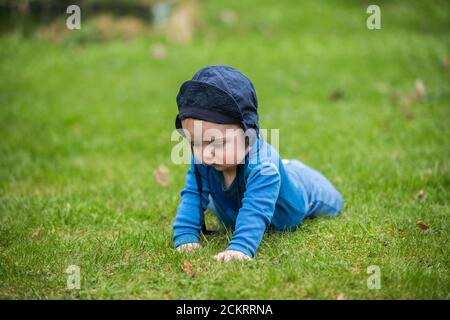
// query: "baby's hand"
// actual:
[[229, 255], [189, 247]]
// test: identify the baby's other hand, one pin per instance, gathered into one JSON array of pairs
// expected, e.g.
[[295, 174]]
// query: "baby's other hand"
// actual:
[[229, 255], [189, 247]]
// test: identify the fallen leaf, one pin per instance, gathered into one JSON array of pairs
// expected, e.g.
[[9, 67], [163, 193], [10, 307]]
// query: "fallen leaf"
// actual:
[[188, 268], [420, 90], [161, 175], [445, 61], [337, 95], [421, 194], [341, 296], [35, 232], [354, 270], [407, 112], [422, 226], [159, 52], [418, 93]]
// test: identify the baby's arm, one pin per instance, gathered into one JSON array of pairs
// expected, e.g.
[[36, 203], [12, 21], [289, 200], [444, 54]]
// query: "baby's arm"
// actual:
[[228, 255], [186, 227], [255, 215]]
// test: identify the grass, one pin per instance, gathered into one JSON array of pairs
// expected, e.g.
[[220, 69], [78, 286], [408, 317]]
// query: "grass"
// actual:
[[84, 126]]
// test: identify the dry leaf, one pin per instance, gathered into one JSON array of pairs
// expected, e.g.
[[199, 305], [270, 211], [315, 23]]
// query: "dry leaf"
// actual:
[[420, 90], [188, 268], [161, 175], [341, 296], [159, 52], [35, 232], [418, 93], [445, 61], [337, 95], [422, 226], [354, 270], [421, 194], [407, 112]]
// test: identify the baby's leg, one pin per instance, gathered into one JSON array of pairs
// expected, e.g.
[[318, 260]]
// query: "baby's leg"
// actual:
[[323, 198]]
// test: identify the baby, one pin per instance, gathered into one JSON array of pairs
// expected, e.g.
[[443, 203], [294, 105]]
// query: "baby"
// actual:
[[235, 173]]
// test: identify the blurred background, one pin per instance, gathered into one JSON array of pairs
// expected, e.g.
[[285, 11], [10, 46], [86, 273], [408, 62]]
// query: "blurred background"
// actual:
[[86, 115]]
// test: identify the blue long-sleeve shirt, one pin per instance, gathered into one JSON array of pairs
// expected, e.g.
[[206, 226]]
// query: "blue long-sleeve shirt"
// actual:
[[269, 198]]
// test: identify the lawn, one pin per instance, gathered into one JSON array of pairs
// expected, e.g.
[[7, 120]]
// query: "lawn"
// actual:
[[84, 125]]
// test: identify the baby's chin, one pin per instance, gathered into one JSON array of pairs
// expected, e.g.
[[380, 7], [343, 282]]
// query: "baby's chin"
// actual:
[[223, 167]]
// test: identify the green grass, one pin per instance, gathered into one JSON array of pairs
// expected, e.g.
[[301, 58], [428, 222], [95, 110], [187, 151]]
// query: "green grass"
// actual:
[[84, 126]]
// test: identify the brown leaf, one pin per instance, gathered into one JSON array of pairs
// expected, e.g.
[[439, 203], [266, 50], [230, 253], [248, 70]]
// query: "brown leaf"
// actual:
[[161, 175], [416, 94], [159, 52], [337, 95], [354, 269], [422, 226], [421, 194], [445, 61], [188, 268], [407, 112], [341, 296], [419, 90], [35, 232]]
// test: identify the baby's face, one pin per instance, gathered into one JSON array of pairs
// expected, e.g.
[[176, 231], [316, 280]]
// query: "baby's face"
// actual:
[[221, 146]]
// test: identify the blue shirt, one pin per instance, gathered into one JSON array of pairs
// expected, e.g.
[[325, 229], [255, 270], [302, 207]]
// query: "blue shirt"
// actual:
[[264, 196]]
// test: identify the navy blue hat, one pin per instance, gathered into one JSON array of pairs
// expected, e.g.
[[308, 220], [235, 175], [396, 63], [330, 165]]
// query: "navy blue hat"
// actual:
[[219, 94]]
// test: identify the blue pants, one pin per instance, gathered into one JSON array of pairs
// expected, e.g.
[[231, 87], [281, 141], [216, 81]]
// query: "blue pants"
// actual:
[[322, 198]]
